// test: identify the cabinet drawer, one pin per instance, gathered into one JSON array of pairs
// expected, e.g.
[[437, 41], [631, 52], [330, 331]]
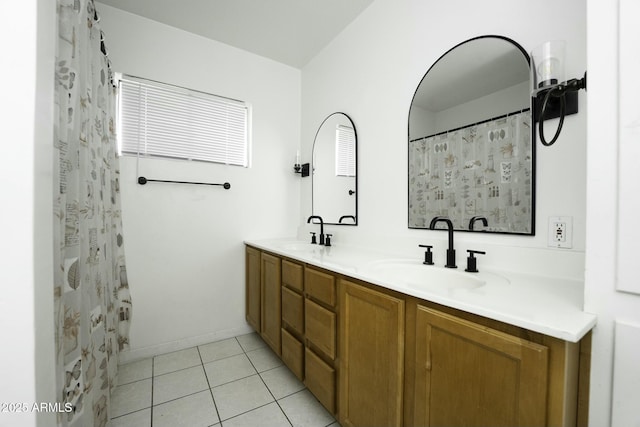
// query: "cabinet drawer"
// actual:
[[292, 275], [293, 310], [293, 354], [320, 328], [320, 379], [320, 286]]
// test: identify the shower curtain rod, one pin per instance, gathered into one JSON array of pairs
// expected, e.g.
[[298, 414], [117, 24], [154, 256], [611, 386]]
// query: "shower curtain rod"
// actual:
[[142, 181]]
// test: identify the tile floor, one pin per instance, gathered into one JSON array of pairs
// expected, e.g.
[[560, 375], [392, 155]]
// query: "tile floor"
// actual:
[[229, 383]]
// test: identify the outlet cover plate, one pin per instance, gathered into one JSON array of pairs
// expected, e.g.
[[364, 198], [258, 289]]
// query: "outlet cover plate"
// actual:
[[560, 232]]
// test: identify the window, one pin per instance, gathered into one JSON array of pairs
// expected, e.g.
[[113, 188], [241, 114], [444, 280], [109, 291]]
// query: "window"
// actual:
[[345, 151], [161, 120]]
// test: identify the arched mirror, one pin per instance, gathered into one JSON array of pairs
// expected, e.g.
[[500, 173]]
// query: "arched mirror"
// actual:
[[334, 171], [471, 144]]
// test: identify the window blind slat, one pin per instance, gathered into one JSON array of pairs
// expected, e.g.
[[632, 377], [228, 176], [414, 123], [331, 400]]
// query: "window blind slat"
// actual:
[[165, 121], [345, 151]]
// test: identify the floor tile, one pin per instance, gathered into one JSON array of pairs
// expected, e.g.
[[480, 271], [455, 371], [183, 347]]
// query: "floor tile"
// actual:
[[177, 360], [136, 419], [281, 382], [251, 341], [266, 416], [243, 374], [135, 371], [178, 384], [240, 396], [264, 359], [230, 369], [196, 410], [304, 410], [219, 350], [131, 397]]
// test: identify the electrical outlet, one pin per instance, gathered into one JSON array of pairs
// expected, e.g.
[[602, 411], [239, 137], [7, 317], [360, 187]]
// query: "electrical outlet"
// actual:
[[560, 232]]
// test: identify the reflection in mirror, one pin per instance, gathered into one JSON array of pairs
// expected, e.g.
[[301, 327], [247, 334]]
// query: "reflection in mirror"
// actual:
[[334, 171], [471, 144]]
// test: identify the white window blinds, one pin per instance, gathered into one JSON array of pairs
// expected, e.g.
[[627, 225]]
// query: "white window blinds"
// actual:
[[168, 121], [345, 151]]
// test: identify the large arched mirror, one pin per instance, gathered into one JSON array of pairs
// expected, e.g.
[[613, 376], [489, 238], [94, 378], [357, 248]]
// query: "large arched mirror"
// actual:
[[471, 144], [334, 171]]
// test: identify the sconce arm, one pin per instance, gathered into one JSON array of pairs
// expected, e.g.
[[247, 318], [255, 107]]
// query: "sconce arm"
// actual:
[[559, 91]]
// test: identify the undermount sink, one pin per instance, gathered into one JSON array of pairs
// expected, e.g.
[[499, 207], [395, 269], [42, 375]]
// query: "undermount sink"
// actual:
[[415, 275], [299, 247]]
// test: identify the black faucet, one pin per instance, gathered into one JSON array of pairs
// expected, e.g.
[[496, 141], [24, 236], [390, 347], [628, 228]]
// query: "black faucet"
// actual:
[[321, 226], [451, 253], [478, 218]]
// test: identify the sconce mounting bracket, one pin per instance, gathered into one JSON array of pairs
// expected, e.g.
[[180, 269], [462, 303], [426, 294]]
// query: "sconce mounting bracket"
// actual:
[[553, 106]]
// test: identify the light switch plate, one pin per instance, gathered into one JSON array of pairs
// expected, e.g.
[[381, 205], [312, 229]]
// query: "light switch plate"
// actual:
[[560, 232]]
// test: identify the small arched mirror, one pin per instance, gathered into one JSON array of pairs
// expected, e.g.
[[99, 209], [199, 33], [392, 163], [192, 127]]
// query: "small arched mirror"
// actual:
[[334, 171], [471, 144]]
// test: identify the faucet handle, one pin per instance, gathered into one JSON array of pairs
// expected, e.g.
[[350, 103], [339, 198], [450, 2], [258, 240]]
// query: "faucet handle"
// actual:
[[471, 261], [313, 237], [428, 255], [327, 240]]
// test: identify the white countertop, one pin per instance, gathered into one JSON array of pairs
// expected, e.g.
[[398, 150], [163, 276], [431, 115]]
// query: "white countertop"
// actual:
[[549, 305]]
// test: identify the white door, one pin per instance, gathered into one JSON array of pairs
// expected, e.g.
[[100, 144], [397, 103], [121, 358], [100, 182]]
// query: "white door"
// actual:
[[612, 279]]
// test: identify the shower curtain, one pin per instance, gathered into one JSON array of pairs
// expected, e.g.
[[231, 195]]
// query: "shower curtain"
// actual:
[[92, 301]]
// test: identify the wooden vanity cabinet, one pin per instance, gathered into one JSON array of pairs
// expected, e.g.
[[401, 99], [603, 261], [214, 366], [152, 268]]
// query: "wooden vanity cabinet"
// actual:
[[293, 317], [467, 370], [270, 273], [253, 300], [470, 375], [372, 323], [320, 331], [373, 356]]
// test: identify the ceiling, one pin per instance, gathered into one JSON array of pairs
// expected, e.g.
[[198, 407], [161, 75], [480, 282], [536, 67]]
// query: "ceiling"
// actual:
[[288, 31]]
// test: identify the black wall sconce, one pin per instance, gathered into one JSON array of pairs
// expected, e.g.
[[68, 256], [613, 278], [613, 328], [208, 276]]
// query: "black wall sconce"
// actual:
[[553, 97], [302, 169]]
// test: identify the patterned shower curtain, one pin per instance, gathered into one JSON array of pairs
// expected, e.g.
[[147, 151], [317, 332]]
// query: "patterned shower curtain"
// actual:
[[92, 301]]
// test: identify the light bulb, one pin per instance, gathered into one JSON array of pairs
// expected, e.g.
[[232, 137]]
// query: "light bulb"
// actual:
[[550, 60]]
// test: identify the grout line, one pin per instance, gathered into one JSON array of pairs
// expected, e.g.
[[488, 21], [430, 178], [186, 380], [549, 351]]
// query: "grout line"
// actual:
[[153, 362], [222, 358], [269, 390], [250, 410], [178, 370], [128, 413], [215, 406]]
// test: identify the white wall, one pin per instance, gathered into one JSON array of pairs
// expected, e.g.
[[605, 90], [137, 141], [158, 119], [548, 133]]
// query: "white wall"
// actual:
[[27, 36], [183, 244], [382, 57], [508, 100]]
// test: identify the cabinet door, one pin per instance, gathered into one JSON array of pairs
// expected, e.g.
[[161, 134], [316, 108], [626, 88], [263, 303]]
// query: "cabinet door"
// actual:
[[292, 275], [252, 307], [293, 354], [271, 277], [471, 375], [371, 366], [320, 328], [320, 286], [320, 379], [293, 310]]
